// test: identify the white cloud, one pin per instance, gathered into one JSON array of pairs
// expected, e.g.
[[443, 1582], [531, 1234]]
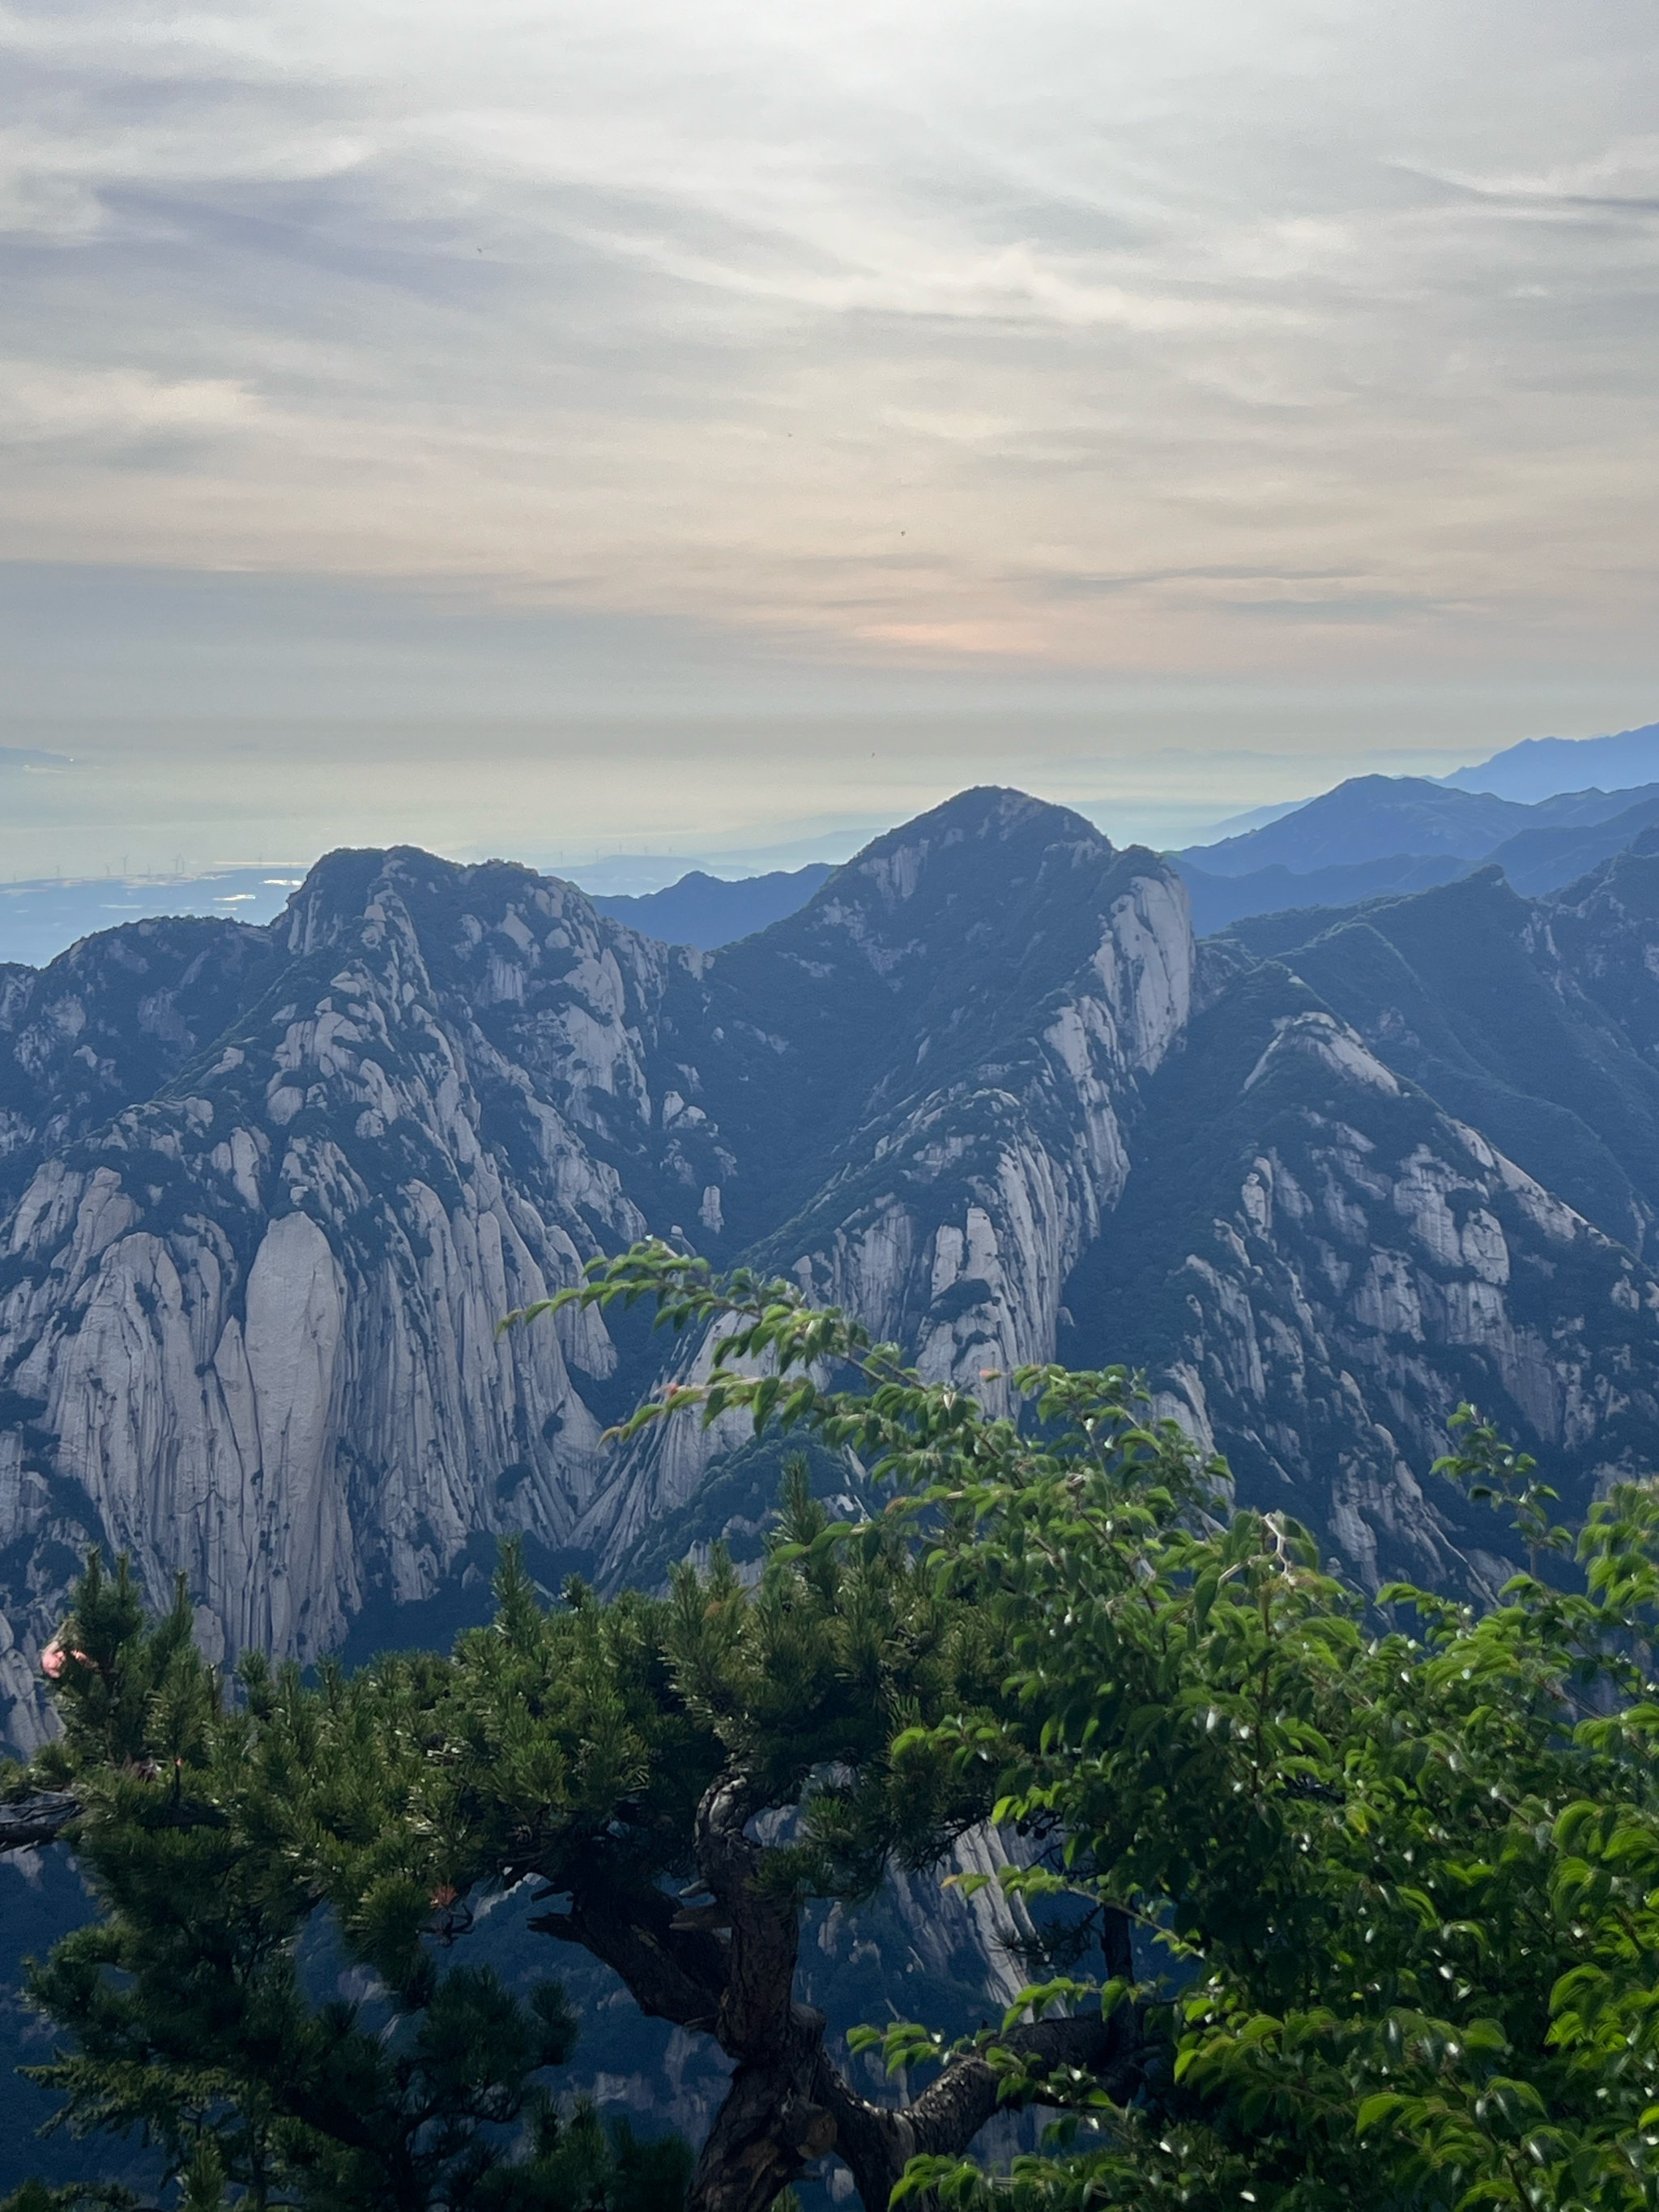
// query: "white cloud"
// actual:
[[37, 406]]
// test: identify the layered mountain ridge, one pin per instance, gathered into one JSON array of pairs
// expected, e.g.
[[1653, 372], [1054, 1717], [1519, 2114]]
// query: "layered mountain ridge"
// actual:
[[1374, 834], [267, 1192]]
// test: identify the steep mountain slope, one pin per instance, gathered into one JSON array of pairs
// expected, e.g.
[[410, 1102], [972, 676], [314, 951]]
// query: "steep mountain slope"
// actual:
[[941, 956], [1467, 991], [930, 1077], [1607, 929], [247, 1326], [275, 1188], [1319, 1261], [112, 1020]]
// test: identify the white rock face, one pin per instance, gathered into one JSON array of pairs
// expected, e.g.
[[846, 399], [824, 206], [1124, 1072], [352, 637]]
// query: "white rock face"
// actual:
[[1375, 1263], [249, 1327], [254, 1329], [1028, 1175], [957, 1221]]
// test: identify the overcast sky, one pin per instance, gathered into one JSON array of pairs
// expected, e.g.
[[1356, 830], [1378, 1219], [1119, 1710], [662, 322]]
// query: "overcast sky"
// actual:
[[546, 427]]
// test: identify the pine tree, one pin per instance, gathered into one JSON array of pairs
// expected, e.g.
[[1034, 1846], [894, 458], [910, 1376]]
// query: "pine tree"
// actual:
[[189, 2021], [621, 1754]]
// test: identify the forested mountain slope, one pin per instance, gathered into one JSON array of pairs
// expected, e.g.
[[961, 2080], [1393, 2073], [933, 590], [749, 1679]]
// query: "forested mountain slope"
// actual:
[[270, 1190]]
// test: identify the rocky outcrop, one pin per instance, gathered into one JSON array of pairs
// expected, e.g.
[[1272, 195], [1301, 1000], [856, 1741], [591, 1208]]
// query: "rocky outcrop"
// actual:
[[249, 1327], [110, 1022], [996, 1080], [1323, 1263]]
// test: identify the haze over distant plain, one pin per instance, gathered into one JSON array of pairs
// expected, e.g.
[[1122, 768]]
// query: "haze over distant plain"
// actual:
[[718, 429]]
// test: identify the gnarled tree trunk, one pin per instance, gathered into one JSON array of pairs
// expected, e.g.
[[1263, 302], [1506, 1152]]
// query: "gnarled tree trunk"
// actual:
[[727, 1969]]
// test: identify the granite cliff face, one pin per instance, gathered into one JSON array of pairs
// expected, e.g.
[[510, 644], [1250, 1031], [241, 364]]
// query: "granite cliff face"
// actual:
[[266, 1194], [930, 1077], [1533, 1020], [112, 1021], [247, 1311], [1320, 1262], [248, 1327]]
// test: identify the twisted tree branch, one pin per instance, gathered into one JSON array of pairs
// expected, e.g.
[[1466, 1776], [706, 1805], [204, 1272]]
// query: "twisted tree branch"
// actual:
[[674, 1972], [727, 1970], [878, 2142]]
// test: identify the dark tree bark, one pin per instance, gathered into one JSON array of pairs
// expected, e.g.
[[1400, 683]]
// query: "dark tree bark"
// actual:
[[728, 1968], [675, 1969], [772, 2124], [878, 2142]]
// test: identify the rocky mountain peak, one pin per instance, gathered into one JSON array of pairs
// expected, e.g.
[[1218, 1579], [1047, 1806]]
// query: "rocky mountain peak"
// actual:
[[924, 886]]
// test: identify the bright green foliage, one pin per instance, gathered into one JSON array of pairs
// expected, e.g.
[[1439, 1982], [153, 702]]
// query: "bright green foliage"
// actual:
[[1404, 1882], [1414, 1876]]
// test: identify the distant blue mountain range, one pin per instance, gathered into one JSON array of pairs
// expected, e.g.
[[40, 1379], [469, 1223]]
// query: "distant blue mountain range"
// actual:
[[1384, 835], [1538, 768], [1370, 817], [709, 911]]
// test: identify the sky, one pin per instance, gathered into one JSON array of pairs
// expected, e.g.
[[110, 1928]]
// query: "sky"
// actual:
[[720, 429]]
